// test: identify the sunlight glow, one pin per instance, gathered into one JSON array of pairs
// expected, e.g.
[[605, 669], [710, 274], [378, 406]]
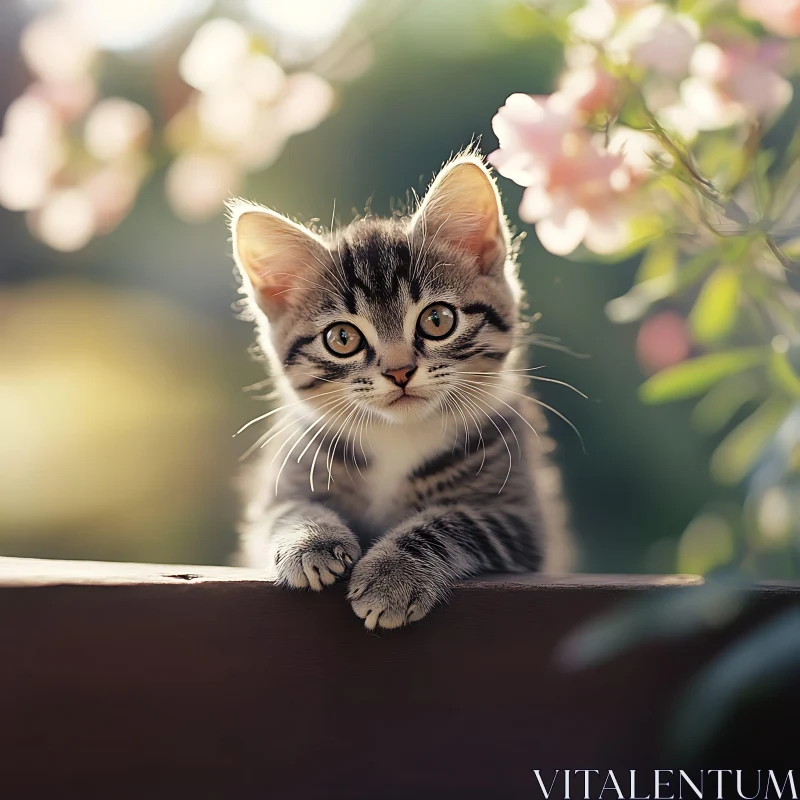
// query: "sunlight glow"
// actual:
[[127, 24], [304, 20]]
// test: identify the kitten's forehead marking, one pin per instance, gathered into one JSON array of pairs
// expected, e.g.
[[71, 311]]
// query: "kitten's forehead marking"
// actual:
[[378, 268]]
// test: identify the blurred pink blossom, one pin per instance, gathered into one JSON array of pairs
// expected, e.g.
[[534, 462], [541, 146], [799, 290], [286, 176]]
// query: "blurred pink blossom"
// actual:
[[731, 83], [589, 89], [56, 49], [530, 131], [781, 17], [640, 150], [598, 19], [71, 99], [32, 151], [657, 39], [116, 127], [594, 22], [198, 184], [663, 340], [576, 191], [112, 191]]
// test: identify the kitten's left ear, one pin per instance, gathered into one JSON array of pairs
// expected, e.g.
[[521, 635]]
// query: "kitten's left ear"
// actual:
[[463, 209]]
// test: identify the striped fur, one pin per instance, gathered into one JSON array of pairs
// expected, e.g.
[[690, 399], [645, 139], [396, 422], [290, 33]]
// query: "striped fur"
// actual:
[[403, 490]]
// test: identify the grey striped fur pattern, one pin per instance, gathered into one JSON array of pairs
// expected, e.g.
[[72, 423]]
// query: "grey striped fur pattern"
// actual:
[[406, 452]]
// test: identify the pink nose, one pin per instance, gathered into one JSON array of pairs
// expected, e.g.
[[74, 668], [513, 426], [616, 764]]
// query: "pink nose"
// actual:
[[400, 376]]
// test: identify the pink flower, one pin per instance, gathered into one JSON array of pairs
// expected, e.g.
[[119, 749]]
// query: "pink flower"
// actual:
[[589, 89], [656, 39], [641, 151], [594, 22], [781, 17], [662, 341], [530, 131], [576, 191], [731, 83]]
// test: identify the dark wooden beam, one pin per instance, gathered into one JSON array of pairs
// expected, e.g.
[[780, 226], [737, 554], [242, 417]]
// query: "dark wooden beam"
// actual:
[[142, 681]]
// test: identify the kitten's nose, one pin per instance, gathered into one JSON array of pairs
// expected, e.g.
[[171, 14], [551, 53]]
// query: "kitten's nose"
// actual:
[[400, 376]]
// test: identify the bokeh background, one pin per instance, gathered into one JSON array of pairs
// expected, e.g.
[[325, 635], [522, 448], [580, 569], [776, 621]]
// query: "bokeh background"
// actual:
[[123, 366]]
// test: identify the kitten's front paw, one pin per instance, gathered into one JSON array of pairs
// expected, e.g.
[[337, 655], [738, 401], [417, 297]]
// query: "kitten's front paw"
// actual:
[[312, 556], [389, 588]]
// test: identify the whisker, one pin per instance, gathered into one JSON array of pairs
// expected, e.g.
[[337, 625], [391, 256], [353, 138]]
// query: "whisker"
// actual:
[[543, 405], [472, 387], [322, 442], [334, 443], [321, 429], [299, 439], [295, 421], [500, 400], [481, 441], [536, 340], [528, 377], [508, 449], [281, 408]]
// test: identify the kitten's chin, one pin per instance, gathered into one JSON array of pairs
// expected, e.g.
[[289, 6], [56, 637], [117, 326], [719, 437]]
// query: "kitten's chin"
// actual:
[[407, 408]]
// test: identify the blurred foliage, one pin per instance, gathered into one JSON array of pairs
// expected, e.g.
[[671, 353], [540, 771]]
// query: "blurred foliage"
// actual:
[[705, 190], [671, 135]]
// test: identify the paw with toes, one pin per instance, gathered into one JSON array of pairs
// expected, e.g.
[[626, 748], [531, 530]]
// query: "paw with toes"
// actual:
[[315, 557], [389, 588]]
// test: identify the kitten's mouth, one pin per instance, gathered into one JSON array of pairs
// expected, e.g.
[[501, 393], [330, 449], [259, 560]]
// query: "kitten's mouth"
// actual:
[[406, 399]]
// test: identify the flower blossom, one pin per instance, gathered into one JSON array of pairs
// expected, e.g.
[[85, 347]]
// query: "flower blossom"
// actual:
[[781, 17], [576, 191], [657, 39], [732, 83], [590, 89]]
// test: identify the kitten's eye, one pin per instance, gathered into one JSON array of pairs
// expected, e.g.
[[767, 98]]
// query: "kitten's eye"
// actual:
[[437, 321], [343, 339]]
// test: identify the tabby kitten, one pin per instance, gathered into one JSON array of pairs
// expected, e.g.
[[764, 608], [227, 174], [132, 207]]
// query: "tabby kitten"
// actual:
[[404, 454]]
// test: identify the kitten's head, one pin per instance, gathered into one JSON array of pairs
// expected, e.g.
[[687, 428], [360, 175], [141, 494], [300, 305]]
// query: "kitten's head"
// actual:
[[390, 315]]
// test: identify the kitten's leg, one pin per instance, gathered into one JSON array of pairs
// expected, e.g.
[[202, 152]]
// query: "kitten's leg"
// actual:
[[414, 566], [306, 545]]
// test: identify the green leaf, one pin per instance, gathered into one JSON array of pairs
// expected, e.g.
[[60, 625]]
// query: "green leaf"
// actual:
[[717, 408], [737, 453], [769, 653], [635, 303], [714, 314], [708, 543], [783, 373], [659, 260], [697, 375]]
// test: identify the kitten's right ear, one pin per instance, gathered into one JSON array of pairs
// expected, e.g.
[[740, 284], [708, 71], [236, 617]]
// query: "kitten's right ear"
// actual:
[[274, 254]]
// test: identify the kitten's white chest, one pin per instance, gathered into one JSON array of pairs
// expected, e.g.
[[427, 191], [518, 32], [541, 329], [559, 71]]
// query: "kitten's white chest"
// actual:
[[395, 452]]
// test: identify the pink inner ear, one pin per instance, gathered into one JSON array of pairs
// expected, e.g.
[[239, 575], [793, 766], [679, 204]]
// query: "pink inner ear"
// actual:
[[488, 254], [276, 255], [484, 242], [277, 284], [463, 207]]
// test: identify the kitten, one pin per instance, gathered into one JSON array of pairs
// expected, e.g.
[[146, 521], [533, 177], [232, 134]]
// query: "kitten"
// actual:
[[404, 454]]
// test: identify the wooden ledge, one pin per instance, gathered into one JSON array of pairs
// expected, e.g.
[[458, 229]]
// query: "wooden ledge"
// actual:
[[133, 681], [43, 572]]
